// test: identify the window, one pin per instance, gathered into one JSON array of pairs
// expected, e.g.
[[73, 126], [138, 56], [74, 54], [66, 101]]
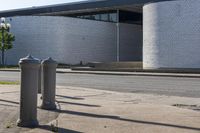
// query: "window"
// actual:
[[99, 16]]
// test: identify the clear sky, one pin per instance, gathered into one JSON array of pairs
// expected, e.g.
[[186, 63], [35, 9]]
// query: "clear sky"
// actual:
[[15, 4]]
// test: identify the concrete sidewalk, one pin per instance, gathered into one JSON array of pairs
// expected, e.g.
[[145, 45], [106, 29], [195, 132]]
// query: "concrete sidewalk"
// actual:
[[85, 110]]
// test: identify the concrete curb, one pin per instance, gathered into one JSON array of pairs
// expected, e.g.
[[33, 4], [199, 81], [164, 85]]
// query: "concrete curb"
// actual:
[[161, 70], [135, 74], [124, 73]]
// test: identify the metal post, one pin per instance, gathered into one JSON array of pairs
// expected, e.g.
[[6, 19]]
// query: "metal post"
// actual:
[[29, 88], [118, 36], [2, 47], [40, 78], [49, 84]]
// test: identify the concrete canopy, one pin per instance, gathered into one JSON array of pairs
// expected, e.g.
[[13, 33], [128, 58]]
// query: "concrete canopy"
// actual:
[[77, 7]]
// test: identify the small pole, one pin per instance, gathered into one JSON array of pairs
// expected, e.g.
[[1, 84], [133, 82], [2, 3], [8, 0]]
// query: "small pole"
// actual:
[[3, 63], [40, 78], [118, 36]]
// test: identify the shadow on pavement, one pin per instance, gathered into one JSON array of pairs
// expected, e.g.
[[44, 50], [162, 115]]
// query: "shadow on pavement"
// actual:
[[2, 100], [68, 97], [127, 120], [79, 104], [60, 130]]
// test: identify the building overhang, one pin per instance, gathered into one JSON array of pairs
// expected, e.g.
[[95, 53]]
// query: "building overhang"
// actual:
[[80, 7]]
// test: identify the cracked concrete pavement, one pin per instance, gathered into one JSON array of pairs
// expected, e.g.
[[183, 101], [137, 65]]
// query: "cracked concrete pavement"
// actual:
[[96, 111]]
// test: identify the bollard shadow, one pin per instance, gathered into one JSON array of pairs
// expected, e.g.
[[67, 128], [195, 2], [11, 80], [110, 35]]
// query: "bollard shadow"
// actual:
[[59, 129], [196, 109], [8, 101], [128, 120], [79, 104], [68, 97]]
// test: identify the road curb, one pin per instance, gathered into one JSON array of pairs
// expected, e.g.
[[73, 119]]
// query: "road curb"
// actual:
[[183, 75], [135, 74]]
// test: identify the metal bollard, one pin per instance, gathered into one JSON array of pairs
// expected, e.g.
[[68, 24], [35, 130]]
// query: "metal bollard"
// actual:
[[29, 88], [49, 84]]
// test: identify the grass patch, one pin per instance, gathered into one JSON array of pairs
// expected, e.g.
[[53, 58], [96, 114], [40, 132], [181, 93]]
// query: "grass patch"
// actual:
[[9, 66], [9, 83]]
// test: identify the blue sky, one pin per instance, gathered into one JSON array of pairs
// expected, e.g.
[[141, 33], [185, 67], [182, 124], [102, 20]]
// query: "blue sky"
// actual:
[[15, 4]]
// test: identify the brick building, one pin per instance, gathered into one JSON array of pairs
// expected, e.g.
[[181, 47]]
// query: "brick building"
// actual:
[[159, 33]]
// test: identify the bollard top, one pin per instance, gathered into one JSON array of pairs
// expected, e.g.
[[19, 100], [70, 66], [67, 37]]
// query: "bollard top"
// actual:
[[40, 60], [29, 60], [49, 61]]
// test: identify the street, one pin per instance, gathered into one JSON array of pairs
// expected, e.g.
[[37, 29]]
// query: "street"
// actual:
[[170, 86]]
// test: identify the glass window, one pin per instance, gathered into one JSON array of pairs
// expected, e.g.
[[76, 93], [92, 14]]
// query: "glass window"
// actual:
[[104, 17], [113, 17], [97, 17], [86, 16], [100, 16]]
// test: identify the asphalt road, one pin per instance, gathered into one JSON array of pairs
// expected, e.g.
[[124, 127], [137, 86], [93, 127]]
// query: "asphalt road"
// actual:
[[172, 86]]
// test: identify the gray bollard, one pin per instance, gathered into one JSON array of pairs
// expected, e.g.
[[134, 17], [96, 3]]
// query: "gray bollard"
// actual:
[[29, 88], [49, 84]]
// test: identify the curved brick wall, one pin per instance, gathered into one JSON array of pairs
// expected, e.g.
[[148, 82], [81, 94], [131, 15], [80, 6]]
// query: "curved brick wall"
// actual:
[[171, 34]]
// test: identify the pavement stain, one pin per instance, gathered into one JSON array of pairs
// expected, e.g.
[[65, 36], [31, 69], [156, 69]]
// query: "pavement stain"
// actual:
[[95, 95], [185, 106], [135, 101]]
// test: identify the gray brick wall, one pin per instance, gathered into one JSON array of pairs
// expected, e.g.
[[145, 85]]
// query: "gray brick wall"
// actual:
[[67, 40], [71, 40], [172, 34]]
